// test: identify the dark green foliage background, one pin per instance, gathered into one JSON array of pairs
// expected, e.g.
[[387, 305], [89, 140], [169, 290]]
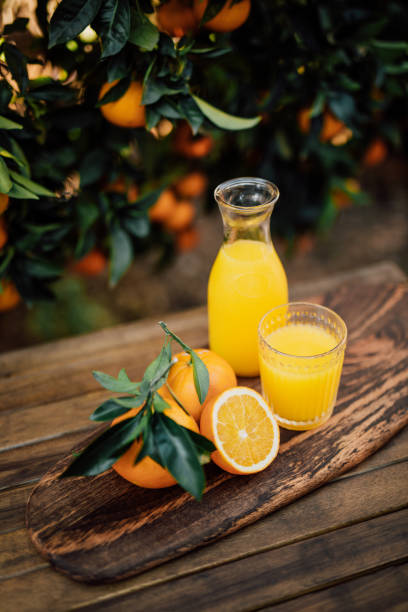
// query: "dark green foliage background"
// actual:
[[289, 55]]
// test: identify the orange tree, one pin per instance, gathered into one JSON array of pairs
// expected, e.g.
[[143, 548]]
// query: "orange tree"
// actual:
[[90, 94]]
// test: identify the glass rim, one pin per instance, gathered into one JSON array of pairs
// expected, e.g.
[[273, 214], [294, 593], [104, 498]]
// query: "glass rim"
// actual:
[[335, 349], [249, 181]]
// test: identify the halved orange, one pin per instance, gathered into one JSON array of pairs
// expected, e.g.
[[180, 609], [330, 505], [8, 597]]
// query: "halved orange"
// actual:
[[241, 425]]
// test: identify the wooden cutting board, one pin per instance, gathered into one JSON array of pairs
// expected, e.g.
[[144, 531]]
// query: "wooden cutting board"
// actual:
[[104, 529]]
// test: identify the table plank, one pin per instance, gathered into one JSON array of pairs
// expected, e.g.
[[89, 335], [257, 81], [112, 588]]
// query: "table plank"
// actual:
[[338, 505], [385, 589], [274, 575]]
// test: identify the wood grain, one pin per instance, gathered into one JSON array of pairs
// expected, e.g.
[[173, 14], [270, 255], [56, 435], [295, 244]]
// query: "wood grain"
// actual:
[[278, 529], [385, 589], [104, 529], [272, 576]]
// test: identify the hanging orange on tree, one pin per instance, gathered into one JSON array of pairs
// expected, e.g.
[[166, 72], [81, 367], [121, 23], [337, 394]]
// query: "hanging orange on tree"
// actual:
[[128, 111], [229, 18]]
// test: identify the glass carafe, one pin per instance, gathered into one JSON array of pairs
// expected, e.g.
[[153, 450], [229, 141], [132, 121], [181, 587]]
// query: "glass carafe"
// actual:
[[247, 278]]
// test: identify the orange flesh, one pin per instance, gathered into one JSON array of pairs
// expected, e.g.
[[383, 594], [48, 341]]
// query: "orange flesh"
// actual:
[[244, 430]]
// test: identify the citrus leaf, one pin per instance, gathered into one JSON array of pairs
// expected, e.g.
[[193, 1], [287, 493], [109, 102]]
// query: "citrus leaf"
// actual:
[[21, 193], [113, 384], [31, 185], [121, 255], [115, 92], [173, 335], [156, 372], [123, 376], [178, 454], [8, 124], [70, 18], [108, 410], [224, 120], [17, 64], [105, 450], [202, 444], [142, 32], [113, 26], [132, 402], [137, 226], [160, 404], [201, 376], [5, 180], [149, 448], [146, 201]]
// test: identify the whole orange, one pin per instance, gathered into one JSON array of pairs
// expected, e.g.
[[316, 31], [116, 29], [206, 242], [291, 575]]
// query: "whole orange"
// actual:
[[148, 473], [181, 379], [176, 18], [4, 202], [191, 185], [187, 239], [181, 217], [190, 146], [9, 297], [92, 264], [128, 111], [164, 207], [228, 19], [375, 153]]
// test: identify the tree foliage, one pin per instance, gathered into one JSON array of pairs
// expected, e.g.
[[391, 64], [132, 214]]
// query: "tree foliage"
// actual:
[[298, 64]]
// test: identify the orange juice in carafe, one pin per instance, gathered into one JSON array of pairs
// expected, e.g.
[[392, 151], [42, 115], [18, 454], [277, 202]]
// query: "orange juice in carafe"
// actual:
[[247, 278]]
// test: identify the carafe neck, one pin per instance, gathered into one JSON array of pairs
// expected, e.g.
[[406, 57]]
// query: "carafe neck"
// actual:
[[246, 205]]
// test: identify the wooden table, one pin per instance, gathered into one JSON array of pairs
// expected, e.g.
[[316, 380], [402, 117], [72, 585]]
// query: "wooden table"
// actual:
[[342, 547]]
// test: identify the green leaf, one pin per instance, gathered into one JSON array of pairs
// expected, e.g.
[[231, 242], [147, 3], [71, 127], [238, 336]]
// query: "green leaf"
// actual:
[[40, 268], [191, 112], [224, 120], [142, 32], [8, 124], [160, 404], [173, 335], [149, 447], [178, 454], [31, 185], [5, 181], [17, 64], [154, 89], [93, 166], [113, 384], [391, 45], [201, 377], [123, 376], [146, 201], [400, 69], [115, 92], [138, 226], [203, 445], [70, 18], [108, 411], [121, 255], [119, 66], [156, 372], [113, 26], [132, 402], [105, 450], [20, 193]]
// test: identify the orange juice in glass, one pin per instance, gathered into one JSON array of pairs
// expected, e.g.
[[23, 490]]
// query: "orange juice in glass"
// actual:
[[247, 277], [301, 351]]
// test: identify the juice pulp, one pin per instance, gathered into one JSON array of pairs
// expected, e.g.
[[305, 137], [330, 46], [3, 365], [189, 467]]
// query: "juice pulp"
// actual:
[[301, 392], [246, 280]]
